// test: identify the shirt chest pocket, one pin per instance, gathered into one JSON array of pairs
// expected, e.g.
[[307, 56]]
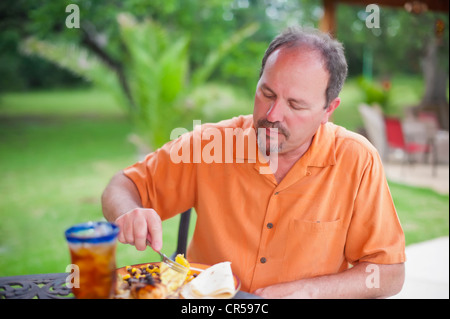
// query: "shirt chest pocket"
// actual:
[[314, 227], [314, 248]]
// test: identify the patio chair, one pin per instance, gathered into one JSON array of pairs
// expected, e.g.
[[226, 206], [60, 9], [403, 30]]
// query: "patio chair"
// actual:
[[430, 119], [183, 230], [374, 125], [396, 140]]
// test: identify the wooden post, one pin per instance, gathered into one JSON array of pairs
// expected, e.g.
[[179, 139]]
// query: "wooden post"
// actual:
[[328, 21]]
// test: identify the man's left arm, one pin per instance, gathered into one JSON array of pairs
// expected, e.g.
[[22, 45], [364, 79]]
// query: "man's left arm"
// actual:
[[364, 280]]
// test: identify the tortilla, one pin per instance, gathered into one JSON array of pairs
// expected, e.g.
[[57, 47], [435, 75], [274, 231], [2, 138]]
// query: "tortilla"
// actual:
[[216, 282]]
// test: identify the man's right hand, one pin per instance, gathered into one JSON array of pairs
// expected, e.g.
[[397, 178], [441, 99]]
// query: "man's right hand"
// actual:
[[140, 226]]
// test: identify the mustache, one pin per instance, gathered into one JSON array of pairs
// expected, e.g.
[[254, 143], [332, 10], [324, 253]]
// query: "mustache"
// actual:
[[267, 124]]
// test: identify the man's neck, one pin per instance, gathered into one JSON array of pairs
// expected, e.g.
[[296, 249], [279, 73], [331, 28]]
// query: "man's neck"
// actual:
[[286, 160]]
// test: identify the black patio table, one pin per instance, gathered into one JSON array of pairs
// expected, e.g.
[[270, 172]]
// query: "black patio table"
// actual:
[[52, 286]]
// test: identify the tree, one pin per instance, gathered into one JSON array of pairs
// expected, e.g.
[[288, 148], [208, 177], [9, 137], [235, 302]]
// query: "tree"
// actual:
[[405, 43], [436, 76]]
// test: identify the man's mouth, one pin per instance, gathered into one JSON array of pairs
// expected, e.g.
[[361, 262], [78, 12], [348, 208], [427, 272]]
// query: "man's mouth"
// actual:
[[272, 132], [273, 129]]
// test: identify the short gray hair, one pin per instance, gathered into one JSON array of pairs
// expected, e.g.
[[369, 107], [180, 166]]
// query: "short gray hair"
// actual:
[[331, 50]]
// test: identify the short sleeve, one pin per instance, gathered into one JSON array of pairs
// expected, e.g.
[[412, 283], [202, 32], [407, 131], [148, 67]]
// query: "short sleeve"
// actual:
[[375, 234], [166, 181]]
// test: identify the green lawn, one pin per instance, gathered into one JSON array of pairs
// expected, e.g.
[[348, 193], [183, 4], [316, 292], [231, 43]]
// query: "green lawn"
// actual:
[[54, 165], [58, 150], [61, 103], [422, 212]]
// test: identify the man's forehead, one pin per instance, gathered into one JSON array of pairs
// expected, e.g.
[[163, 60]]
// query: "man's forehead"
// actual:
[[296, 55], [296, 63], [297, 73]]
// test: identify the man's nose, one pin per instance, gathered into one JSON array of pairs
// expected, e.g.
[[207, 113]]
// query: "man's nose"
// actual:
[[275, 112]]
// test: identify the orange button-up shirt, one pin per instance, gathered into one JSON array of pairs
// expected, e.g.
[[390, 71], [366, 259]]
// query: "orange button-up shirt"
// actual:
[[332, 209]]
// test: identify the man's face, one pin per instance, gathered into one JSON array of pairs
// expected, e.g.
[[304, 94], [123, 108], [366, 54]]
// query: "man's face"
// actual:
[[290, 96]]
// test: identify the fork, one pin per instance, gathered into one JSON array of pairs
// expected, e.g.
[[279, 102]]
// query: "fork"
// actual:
[[173, 264]]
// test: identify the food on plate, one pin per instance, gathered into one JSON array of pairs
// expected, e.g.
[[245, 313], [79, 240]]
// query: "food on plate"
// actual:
[[215, 282], [182, 261], [148, 288], [153, 281], [172, 278], [159, 281]]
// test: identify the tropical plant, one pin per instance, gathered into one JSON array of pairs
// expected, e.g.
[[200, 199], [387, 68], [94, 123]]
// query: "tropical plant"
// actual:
[[154, 82]]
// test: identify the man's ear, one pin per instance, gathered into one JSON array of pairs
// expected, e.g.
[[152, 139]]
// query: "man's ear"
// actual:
[[329, 111]]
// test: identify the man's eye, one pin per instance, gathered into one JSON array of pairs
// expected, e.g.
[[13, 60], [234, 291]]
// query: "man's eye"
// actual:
[[296, 106], [269, 96]]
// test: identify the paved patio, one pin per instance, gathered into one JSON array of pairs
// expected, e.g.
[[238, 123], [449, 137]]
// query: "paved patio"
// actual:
[[420, 175], [426, 270]]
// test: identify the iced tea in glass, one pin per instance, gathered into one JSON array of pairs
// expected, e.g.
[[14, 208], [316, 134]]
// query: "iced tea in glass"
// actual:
[[93, 249]]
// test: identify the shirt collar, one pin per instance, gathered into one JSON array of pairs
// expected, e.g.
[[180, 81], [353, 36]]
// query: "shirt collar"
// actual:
[[322, 151]]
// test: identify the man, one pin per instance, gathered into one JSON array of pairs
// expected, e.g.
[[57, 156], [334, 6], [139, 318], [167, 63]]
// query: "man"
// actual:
[[292, 233]]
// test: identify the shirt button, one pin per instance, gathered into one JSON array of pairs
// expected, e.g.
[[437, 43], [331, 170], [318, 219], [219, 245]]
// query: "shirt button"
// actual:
[[263, 260], [270, 225], [276, 193]]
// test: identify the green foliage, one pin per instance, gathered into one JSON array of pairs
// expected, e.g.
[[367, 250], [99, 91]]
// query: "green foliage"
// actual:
[[156, 71], [397, 46], [208, 24], [203, 73], [374, 93], [71, 57]]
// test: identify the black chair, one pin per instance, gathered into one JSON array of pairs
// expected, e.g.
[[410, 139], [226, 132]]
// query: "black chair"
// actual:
[[183, 231]]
